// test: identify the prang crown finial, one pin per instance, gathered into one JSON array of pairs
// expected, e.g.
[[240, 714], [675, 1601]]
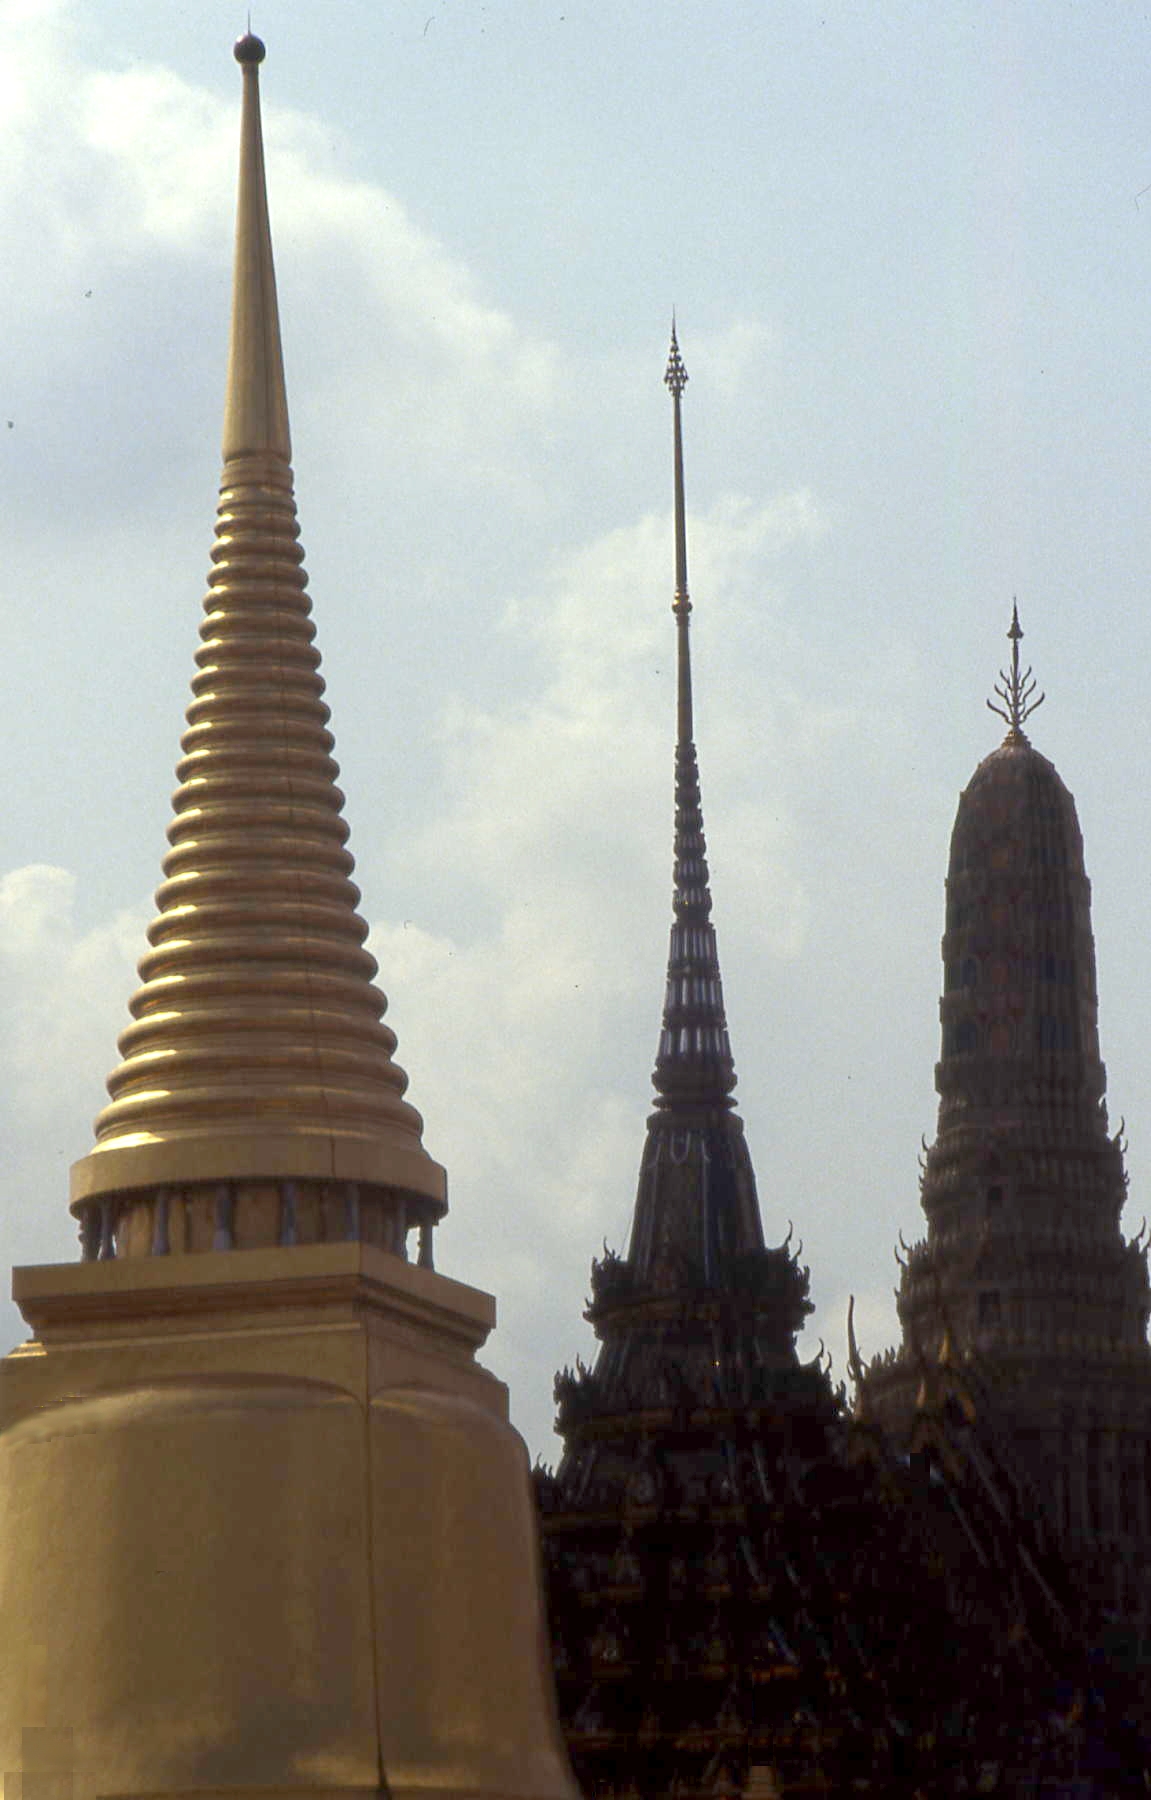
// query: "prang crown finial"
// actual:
[[1017, 689], [675, 377]]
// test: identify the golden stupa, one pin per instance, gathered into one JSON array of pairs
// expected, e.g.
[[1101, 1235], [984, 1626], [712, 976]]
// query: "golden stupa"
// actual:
[[264, 1526]]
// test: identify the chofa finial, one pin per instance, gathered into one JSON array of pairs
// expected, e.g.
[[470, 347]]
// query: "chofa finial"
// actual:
[[1017, 689]]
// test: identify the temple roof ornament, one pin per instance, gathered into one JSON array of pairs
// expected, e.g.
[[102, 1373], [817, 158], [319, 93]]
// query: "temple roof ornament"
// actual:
[[257, 1049], [1016, 689]]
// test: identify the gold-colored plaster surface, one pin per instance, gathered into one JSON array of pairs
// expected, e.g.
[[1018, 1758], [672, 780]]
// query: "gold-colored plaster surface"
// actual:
[[264, 1525]]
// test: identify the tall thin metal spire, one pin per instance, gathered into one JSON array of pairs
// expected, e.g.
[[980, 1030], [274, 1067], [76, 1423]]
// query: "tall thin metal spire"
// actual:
[[257, 1054], [694, 1062], [675, 380]]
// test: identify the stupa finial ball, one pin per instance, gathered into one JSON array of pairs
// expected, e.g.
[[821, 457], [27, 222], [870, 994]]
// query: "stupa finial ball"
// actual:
[[249, 49]]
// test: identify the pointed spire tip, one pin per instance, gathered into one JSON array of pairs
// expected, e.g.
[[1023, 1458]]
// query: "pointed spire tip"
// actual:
[[256, 409]]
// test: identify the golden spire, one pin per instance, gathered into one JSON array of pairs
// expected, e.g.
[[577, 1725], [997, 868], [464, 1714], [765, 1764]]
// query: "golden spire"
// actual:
[[257, 1060], [256, 406], [1016, 690]]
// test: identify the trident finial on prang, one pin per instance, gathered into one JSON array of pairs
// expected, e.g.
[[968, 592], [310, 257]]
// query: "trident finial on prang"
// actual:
[[1017, 689]]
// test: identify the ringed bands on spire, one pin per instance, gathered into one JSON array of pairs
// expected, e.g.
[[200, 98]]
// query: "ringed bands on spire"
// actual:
[[258, 1100]]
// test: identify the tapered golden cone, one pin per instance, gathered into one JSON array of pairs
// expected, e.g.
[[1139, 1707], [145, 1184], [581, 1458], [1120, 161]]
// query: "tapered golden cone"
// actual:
[[258, 1049]]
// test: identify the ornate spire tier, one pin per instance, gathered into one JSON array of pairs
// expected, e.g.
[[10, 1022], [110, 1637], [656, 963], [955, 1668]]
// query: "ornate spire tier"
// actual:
[[258, 1099]]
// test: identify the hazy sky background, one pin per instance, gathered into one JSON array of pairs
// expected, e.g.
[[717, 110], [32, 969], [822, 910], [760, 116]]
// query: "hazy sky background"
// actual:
[[910, 251]]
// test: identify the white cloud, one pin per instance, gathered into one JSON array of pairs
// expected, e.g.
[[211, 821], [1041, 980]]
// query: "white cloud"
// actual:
[[577, 781], [734, 356], [63, 994], [169, 156], [62, 987]]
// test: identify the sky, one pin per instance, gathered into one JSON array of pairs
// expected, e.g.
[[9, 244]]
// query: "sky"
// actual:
[[909, 249]]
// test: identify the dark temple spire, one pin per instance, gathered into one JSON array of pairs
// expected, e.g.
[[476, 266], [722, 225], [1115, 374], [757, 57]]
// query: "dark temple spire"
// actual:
[[694, 1063], [699, 1312], [1024, 1275]]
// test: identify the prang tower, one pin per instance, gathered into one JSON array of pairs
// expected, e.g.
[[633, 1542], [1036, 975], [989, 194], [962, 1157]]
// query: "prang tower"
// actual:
[[264, 1527], [1024, 1276]]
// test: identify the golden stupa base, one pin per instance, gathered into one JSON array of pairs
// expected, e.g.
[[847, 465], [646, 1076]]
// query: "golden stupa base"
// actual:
[[265, 1530]]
